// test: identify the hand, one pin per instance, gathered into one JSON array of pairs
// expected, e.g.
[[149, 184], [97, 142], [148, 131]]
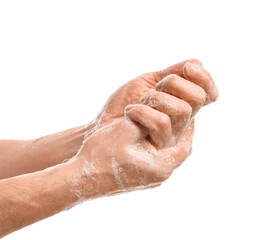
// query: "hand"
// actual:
[[143, 148], [143, 133], [178, 91], [119, 157]]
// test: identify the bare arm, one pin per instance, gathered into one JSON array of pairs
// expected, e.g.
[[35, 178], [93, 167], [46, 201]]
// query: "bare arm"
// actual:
[[32, 197], [20, 157], [117, 155], [25, 156], [102, 168]]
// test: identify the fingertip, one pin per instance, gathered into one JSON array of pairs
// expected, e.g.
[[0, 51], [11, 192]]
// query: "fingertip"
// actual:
[[129, 107], [190, 62], [195, 61], [212, 96], [215, 95], [191, 68], [128, 113], [175, 69], [200, 76]]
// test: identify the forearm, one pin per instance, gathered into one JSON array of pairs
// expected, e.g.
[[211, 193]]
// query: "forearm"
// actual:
[[31, 197], [20, 157]]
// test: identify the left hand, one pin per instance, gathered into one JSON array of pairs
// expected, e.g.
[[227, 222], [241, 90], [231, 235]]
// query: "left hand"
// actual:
[[178, 91]]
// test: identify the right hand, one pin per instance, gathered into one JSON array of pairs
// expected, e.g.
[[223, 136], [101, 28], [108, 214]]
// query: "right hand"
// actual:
[[119, 157], [144, 131]]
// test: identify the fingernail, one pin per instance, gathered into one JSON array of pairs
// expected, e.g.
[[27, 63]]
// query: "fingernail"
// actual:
[[129, 107], [192, 67]]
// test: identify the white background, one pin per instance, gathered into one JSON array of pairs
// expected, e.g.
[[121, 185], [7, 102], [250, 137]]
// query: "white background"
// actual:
[[60, 60]]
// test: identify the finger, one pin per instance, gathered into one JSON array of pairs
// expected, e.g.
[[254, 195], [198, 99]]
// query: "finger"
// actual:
[[179, 111], [198, 75], [174, 69], [183, 89], [158, 123], [182, 149]]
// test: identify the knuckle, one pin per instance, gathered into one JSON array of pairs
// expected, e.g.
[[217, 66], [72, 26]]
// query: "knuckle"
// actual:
[[186, 110], [154, 99], [157, 96], [166, 81], [164, 122], [157, 99], [214, 96], [200, 96]]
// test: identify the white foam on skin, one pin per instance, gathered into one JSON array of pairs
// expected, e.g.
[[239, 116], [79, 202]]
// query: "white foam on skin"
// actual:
[[167, 102], [75, 186], [108, 130], [89, 170], [117, 173], [147, 156], [136, 154], [195, 68]]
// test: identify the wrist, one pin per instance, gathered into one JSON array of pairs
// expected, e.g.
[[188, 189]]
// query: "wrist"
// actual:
[[90, 179], [58, 147], [31, 197]]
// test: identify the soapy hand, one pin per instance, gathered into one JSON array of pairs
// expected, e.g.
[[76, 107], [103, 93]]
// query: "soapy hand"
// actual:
[[143, 132], [178, 91], [119, 157]]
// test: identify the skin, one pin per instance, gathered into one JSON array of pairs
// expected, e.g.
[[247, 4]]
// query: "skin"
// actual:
[[18, 157], [142, 134]]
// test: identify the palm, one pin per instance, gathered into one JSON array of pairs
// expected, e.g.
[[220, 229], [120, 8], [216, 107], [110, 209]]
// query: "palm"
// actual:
[[129, 93], [132, 91]]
